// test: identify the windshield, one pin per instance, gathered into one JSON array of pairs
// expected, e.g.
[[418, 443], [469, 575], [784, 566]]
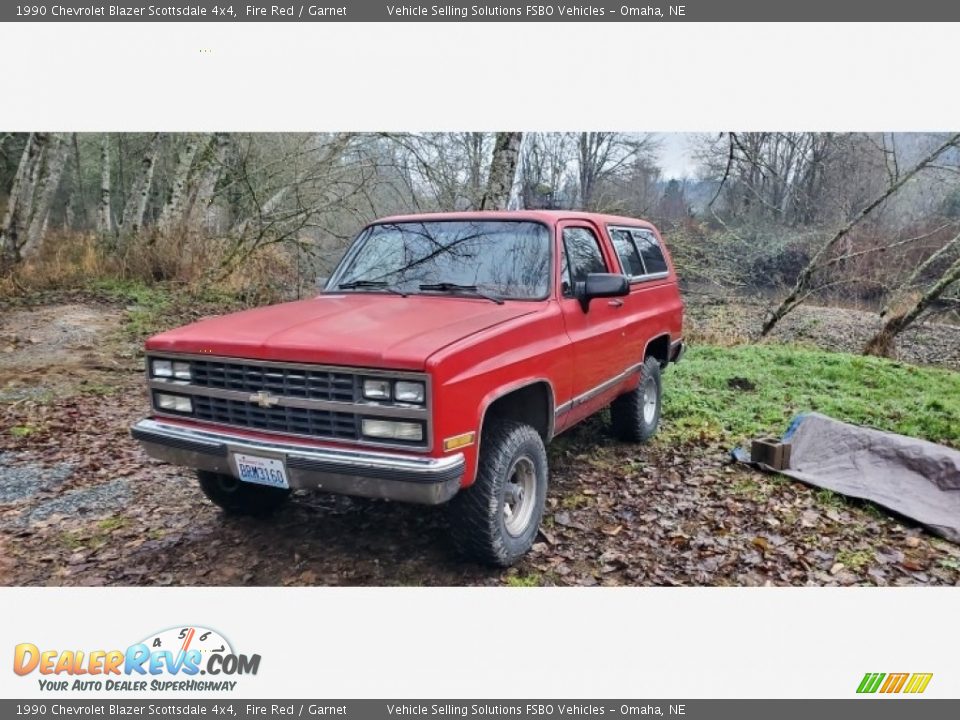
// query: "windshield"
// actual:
[[507, 259]]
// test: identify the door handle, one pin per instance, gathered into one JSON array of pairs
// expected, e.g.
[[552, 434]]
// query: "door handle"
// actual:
[[615, 303]]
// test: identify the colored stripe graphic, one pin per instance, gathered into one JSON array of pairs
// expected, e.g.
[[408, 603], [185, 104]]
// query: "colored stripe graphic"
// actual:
[[918, 682], [894, 683], [870, 682]]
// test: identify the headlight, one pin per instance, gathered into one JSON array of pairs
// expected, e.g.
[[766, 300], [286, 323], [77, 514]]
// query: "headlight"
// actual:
[[376, 389], [392, 430], [161, 368], [170, 369], [176, 403], [411, 392]]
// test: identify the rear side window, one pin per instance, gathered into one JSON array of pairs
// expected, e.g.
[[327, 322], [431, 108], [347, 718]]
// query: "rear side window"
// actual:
[[629, 256], [581, 255], [650, 251]]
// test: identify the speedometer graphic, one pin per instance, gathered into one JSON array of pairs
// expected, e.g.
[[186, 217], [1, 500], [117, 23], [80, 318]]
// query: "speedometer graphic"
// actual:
[[194, 637]]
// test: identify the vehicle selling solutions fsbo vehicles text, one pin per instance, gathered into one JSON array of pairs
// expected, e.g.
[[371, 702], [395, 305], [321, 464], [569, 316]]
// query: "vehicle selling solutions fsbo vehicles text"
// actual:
[[532, 11], [464, 11]]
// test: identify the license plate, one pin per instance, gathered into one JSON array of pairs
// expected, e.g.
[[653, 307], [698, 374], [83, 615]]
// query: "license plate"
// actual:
[[262, 471]]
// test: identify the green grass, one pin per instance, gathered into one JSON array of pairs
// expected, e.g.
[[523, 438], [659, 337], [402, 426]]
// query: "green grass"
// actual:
[[147, 306], [856, 559], [115, 522], [828, 498], [730, 394], [532, 580], [95, 537], [132, 291]]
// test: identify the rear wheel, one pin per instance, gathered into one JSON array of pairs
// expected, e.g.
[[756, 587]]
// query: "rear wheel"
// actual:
[[636, 415], [240, 498], [496, 519]]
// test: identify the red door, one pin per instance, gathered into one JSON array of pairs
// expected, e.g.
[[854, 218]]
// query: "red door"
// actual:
[[597, 335]]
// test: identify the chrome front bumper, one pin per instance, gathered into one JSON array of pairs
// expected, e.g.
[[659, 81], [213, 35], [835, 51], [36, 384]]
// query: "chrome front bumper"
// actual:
[[405, 478]]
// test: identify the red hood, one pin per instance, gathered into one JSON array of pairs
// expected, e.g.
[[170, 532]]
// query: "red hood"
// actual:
[[355, 329]]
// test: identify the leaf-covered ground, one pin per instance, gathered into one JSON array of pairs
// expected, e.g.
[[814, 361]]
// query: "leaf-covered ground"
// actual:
[[81, 505]]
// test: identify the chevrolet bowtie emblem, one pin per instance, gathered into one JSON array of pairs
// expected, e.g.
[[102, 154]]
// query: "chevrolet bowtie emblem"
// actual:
[[264, 399]]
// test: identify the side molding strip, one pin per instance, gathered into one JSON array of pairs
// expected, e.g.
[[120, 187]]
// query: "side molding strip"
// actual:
[[598, 390]]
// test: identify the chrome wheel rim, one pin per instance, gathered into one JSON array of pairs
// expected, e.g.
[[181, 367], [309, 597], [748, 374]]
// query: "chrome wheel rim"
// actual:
[[649, 402], [520, 496]]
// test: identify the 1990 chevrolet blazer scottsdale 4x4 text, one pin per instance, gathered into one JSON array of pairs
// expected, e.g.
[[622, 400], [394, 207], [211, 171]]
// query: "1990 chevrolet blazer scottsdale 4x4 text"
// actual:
[[444, 353]]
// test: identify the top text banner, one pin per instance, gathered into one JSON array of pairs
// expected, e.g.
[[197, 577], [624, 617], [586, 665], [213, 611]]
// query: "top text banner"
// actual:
[[373, 11]]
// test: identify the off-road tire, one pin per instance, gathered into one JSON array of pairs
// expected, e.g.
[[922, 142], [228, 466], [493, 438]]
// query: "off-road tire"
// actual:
[[630, 422], [478, 520], [240, 498]]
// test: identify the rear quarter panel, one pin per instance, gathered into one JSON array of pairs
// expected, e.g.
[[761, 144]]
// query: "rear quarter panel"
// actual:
[[654, 307]]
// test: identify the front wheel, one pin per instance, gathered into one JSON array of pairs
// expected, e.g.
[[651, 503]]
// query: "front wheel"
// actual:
[[496, 519], [240, 498], [636, 415]]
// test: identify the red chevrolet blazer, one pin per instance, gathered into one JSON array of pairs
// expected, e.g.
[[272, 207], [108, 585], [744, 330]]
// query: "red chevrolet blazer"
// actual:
[[443, 354]]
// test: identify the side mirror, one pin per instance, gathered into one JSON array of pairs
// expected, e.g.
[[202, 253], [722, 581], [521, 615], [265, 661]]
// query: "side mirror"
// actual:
[[601, 285]]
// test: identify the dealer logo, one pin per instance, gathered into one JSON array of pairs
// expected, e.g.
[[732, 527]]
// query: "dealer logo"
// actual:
[[168, 660], [892, 683]]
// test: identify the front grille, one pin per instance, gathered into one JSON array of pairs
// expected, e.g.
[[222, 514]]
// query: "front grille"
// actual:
[[277, 380], [301, 421], [233, 392]]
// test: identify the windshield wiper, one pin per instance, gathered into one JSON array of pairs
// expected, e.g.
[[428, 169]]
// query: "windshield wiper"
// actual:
[[457, 288], [355, 284]]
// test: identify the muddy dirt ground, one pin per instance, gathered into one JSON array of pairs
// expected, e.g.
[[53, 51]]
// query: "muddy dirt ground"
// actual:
[[81, 505]]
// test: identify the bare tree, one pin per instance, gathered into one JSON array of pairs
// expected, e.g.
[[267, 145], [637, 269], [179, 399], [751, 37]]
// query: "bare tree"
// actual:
[[801, 289], [208, 175], [919, 271], [602, 157], [80, 193], [171, 215], [20, 191], [545, 170], [452, 168], [136, 206], [48, 183], [503, 165], [104, 209], [882, 343], [31, 194]]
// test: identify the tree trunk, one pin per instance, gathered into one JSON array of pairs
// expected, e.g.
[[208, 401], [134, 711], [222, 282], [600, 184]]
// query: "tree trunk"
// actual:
[[215, 158], [104, 211], [48, 183], [798, 294], [331, 154], [135, 208], [31, 192], [173, 210], [10, 228], [918, 273], [80, 194], [503, 166], [882, 343]]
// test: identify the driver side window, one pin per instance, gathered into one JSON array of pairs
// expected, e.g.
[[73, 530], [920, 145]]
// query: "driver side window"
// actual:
[[580, 256]]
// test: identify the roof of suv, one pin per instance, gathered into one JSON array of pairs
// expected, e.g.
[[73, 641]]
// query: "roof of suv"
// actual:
[[549, 217]]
